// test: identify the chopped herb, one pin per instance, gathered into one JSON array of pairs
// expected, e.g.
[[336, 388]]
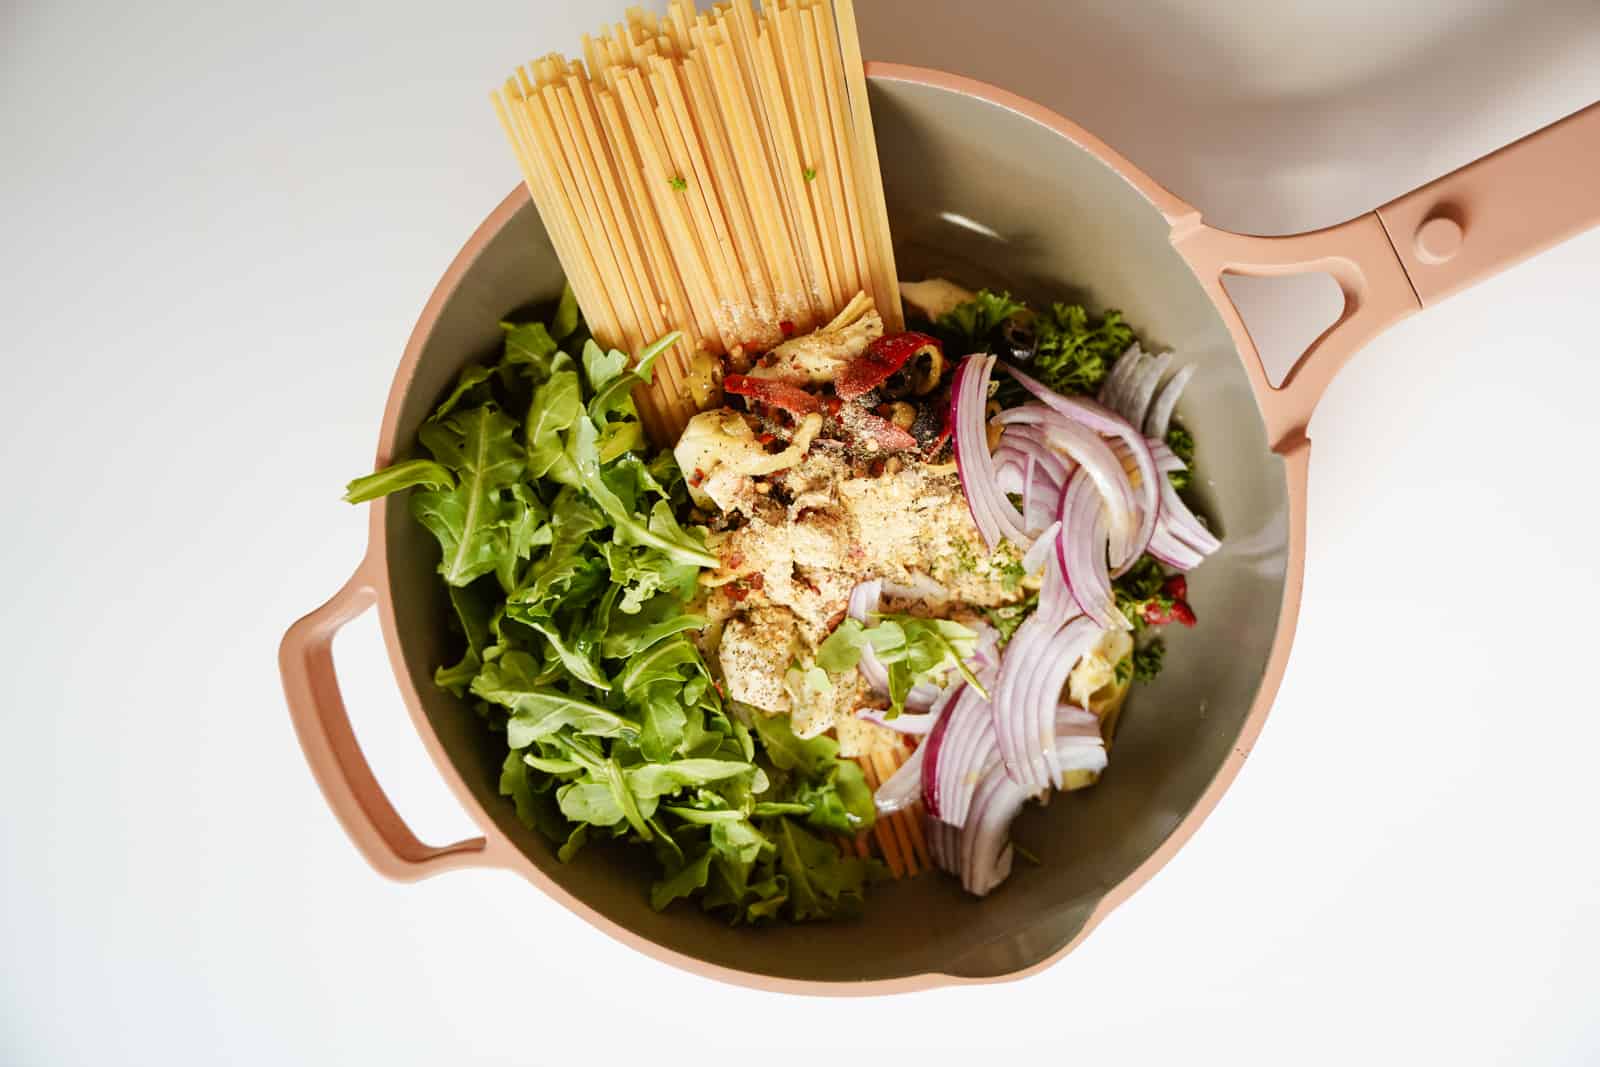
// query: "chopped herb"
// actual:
[[973, 323], [1181, 442], [1074, 354], [1006, 619], [810, 174], [1147, 660], [677, 183]]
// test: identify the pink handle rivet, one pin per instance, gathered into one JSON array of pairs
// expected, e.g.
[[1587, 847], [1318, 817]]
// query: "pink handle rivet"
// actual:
[[1438, 239]]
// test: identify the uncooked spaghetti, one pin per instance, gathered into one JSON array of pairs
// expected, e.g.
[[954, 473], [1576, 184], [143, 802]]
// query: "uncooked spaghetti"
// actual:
[[709, 172]]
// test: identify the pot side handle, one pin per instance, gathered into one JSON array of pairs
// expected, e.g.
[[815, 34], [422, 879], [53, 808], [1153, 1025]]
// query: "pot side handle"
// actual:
[[305, 659], [1409, 254]]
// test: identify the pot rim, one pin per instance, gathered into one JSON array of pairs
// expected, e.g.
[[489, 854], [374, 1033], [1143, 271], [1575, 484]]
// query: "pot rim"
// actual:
[[498, 850]]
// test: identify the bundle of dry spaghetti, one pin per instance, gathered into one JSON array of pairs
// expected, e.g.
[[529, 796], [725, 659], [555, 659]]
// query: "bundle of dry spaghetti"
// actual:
[[713, 173]]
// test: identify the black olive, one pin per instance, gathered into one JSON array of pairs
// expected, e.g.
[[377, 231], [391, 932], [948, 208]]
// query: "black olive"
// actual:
[[1018, 339]]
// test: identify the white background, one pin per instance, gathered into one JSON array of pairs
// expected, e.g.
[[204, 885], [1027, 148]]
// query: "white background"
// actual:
[[220, 223]]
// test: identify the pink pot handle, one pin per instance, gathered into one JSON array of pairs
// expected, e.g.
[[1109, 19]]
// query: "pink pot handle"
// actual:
[[1408, 254], [306, 661]]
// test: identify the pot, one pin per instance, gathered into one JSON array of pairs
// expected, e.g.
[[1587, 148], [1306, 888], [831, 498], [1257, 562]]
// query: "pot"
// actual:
[[988, 189]]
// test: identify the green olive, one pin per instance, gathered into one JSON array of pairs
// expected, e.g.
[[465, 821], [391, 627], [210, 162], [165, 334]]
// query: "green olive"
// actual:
[[927, 367]]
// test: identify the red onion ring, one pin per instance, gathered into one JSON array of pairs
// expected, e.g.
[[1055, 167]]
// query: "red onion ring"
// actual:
[[969, 748], [1081, 552], [903, 787], [1159, 417], [996, 517], [1102, 420]]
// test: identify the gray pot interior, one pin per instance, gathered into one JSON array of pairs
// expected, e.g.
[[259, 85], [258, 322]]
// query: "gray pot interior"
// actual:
[[986, 197]]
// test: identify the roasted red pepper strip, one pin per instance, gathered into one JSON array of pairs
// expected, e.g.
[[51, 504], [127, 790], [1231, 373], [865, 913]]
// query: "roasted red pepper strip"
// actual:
[[881, 359], [790, 398], [888, 436]]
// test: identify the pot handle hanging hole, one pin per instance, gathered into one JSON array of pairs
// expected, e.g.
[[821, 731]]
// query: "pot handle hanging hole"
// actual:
[[1357, 255]]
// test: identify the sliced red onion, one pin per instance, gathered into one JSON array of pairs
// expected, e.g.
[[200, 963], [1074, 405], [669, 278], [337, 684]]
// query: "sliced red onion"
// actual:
[[1081, 552], [1073, 721], [1166, 547], [996, 517], [934, 747], [1137, 400], [1090, 453], [1158, 418], [968, 748], [1116, 382], [910, 723], [1011, 475], [1035, 557], [1102, 420], [1043, 695], [1018, 740], [862, 603], [980, 852], [985, 844], [904, 786], [1024, 440], [1184, 524], [944, 844]]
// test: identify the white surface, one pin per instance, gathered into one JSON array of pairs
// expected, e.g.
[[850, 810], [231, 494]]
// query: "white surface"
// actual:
[[221, 223]]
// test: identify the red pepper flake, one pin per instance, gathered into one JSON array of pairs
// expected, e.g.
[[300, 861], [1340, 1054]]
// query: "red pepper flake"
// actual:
[[697, 477], [757, 580], [766, 438], [786, 327], [737, 592]]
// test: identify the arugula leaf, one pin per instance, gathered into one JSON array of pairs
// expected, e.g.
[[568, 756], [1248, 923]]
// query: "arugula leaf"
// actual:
[[538, 711], [466, 386], [470, 520], [913, 649], [582, 450], [557, 404], [686, 881], [659, 779], [830, 791], [530, 345], [566, 316], [398, 476], [822, 883], [600, 366]]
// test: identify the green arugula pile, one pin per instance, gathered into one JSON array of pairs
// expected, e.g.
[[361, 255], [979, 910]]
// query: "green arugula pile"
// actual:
[[571, 578]]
